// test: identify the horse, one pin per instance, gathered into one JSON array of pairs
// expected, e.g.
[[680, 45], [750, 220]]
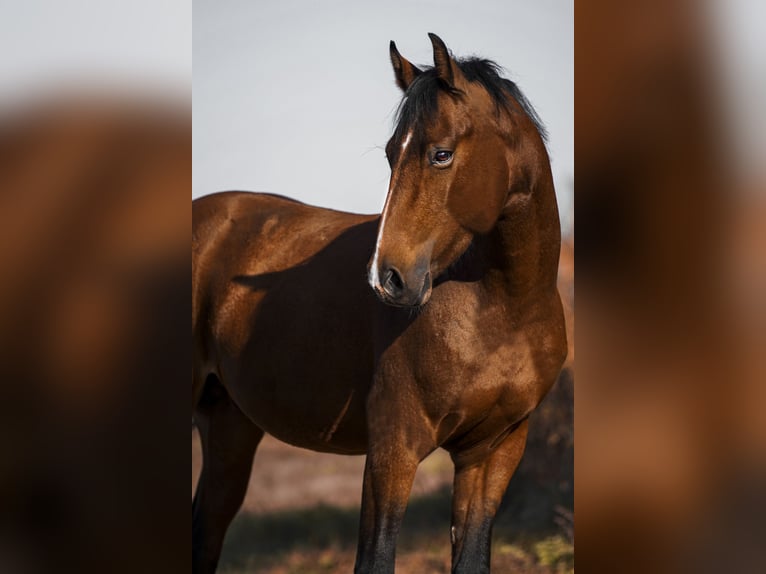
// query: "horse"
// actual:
[[437, 324]]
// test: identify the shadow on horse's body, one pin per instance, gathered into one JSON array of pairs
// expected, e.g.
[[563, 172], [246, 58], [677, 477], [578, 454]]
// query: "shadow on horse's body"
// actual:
[[464, 339]]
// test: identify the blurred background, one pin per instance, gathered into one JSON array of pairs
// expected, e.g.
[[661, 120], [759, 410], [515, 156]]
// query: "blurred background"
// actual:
[[95, 172], [671, 437]]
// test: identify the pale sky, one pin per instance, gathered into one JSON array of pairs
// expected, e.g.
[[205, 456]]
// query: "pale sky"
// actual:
[[81, 45], [297, 97]]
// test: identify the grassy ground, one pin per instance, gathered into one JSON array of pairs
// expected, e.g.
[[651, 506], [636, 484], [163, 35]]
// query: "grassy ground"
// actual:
[[321, 540]]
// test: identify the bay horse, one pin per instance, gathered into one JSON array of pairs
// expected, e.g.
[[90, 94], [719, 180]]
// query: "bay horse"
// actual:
[[435, 324]]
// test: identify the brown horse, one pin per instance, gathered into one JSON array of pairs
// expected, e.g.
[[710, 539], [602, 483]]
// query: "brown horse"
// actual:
[[464, 339]]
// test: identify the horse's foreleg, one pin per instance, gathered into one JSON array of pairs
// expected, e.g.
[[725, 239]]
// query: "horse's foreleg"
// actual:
[[229, 440], [388, 476], [478, 491]]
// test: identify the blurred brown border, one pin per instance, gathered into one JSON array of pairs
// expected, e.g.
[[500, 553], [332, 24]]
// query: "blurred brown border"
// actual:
[[669, 466], [94, 298]]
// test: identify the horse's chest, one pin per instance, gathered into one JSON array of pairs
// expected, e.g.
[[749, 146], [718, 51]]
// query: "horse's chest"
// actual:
[[479, 361], [469, 349], [481, 364], [464, 337]]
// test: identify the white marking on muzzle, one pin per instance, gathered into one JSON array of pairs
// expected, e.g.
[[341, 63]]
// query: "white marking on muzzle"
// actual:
[[374, 277]]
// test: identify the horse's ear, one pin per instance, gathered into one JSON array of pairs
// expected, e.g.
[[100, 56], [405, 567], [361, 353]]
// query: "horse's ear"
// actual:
[[404, 70], [445, 66]]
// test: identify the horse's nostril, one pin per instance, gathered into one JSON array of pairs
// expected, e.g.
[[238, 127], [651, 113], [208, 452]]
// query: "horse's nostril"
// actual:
[[396, 279], [393, 283]]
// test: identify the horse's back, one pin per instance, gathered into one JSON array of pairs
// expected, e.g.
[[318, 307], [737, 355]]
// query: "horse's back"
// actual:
[[249, 221], [241, 234], [215, 216], [282, 310]]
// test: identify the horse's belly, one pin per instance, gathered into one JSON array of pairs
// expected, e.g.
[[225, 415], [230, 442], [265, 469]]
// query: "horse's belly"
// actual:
[[305, 409], [301, 366], [343, 443]]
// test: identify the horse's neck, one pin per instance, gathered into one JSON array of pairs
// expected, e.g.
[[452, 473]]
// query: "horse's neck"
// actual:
[[523, 249]]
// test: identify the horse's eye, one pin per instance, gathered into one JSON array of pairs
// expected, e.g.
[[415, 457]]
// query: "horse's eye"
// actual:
[[442, 156]]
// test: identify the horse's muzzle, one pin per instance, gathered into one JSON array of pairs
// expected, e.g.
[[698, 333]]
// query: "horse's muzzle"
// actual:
[[403, 290]]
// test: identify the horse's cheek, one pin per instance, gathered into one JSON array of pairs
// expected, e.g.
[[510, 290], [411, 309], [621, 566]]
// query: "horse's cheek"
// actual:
[[473, 207]]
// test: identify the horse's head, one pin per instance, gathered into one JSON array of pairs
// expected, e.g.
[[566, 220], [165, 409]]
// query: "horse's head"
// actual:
[[457, 152]]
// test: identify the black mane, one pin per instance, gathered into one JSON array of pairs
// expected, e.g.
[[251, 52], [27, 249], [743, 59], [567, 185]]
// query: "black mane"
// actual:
[[420, 103]]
